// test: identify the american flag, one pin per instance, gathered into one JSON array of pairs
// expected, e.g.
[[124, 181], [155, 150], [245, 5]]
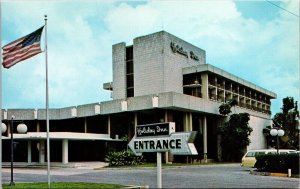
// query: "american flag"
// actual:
[[22, 49]]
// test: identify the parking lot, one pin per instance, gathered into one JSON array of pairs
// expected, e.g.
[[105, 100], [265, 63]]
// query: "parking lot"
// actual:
[[198, 176]]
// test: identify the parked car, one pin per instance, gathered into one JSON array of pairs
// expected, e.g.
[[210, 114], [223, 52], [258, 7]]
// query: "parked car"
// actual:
[[249, 159]]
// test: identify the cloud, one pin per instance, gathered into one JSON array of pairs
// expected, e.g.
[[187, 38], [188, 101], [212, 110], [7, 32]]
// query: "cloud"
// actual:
[[81, 34], [77, 59]]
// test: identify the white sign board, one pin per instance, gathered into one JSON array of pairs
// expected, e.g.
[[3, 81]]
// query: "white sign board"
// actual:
[[180, 143]]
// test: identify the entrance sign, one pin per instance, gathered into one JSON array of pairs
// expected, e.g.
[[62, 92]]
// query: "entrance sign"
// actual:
[[156, 129], [161, 137], [180, 143]]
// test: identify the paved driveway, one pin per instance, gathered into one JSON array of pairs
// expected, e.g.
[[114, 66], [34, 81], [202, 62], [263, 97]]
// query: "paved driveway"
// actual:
[[203, 176]]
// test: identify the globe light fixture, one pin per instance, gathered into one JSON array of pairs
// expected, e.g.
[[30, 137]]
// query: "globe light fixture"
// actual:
[[22, 128], [3, 128], [278, 133]]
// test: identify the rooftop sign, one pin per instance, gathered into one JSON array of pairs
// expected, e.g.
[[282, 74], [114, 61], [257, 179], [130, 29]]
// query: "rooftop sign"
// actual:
[[178, 49]]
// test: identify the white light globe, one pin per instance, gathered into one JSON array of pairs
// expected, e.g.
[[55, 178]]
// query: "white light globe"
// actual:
[[280, 132], [273, 132], [22, 128], [3, 128]]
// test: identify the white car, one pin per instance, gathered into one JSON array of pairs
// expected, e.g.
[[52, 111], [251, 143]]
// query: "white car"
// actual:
[[249, 159]]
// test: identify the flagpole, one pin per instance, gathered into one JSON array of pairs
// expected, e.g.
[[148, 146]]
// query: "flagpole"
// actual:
[[47, 107], [1, 95]]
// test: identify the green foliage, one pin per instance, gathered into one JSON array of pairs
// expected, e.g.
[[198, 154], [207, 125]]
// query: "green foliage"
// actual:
[[123, 158], [235, 136], [224, 108], [232, 102], [278, 163], [288, 120]]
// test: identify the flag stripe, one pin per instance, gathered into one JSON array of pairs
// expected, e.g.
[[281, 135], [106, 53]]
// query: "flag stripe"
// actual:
[[9, 46], [19, 57], [19, 50], [22, 48], [28, 55]]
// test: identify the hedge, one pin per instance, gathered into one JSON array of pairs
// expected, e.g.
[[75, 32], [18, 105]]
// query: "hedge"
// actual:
[[123, 158], [278, 163]]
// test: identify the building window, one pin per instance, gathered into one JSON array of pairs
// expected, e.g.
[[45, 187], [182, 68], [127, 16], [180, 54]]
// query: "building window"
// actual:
[[129, 72], [192, 84]]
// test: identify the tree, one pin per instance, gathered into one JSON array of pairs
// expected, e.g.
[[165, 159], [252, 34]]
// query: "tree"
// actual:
[[224, 109], [288, 120], [235, 136]]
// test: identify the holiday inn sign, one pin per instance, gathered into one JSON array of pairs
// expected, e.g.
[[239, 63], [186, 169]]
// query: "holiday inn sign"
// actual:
[[161, 137]]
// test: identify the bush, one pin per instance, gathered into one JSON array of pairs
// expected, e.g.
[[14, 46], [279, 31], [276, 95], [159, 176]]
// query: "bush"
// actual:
[[278, 163], [122, 158]]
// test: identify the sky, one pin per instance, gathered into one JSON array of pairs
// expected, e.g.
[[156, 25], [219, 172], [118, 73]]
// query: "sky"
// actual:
[[255, 40]]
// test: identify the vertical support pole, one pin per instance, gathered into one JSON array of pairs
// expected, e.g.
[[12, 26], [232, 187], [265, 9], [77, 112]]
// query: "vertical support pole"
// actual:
[[135, 122], [166, 153], [12, 152], [47, 106], [159, 175], [29, 151], [42, 151], [108, 125], [205, 138], [85, 126], [1, 95], [65, 153], [190, 122]]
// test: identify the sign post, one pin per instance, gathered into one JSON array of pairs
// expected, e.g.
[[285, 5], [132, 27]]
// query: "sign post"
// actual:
[[159, 174], [161, 137]]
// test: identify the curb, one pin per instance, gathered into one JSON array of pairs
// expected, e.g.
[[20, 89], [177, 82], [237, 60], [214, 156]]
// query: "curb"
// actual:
[[136, 187], [269, 174], [279, 174]]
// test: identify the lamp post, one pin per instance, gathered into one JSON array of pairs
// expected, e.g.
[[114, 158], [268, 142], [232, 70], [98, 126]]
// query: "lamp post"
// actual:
[[278, 132], [21, 128]]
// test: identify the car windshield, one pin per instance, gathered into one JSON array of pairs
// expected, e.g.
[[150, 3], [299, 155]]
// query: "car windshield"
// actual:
[[250, 154]]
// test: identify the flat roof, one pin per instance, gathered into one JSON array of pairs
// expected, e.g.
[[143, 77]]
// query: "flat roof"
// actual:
[[227, 75], [61, 136]]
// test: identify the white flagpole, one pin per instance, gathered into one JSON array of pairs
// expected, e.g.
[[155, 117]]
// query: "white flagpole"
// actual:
[[1, 95], [47, 107]]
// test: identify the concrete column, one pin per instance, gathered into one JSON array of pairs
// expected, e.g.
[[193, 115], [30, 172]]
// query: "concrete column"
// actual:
[[37, 126], [168, 156], [108, 125], [42, 151], [29, 151], [187, 122], [204, 88], [135, 122], [85, 126], [205, 138], [190, 122], [65, 151]]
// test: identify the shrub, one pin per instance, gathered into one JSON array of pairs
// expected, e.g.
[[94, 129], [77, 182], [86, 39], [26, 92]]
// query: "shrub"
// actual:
[[122, 158], [278, 163]]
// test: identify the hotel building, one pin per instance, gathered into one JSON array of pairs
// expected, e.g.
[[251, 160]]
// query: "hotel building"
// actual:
[[159, 78]]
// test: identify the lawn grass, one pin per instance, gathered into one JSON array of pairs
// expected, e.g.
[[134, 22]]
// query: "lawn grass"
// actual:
[[71, 185]]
